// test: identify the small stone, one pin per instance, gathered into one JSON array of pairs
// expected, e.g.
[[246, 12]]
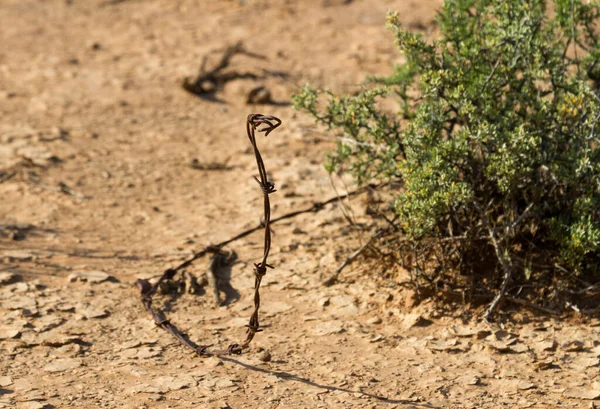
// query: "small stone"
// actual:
[[8, 278], [547, 345], [208, 86], [328, 261], [5, 381], [33, 405], [584, 362], [16, 255], [219, 405], [175, 383], [345, 311], [519, 348], [20, 302], [277, 308], [213, 362], [224, 383], [298, 230], [9, 333], [264, 356], [574, 346], [525, 385], [145, 388], [500, 346], [259, 95], [25, 384], [581, 393], [414, 320], [145, 353], [34, 396], [91, 312], [56, 339], [69, 350], [328, 328], [16, 235], [19, 288], [48, 322], [469, 380], [39, 155], [545, 364], [502, 335], [64, 307], [374, 321], [89, 276], [448, 345], [61, 365]]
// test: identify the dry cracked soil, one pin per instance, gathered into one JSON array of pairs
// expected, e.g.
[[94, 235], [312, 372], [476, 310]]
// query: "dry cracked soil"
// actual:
[[110, 172]]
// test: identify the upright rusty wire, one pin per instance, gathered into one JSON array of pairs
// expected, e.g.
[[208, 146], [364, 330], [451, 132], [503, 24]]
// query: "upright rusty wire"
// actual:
[[255, 123]]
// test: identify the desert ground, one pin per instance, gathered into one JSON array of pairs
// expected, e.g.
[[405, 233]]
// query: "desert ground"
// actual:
[[110, 172]]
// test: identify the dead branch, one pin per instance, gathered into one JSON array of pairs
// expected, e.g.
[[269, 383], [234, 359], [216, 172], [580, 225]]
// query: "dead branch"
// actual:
[[207, 82], [502, 258], [333, 278], [508, 298]]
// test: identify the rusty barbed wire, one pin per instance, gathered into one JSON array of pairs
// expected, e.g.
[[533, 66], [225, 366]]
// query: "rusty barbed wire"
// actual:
[[255, 123]]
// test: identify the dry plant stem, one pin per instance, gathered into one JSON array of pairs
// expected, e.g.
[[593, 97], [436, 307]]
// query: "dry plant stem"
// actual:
[[255, 123], [333, 278], [215, 76], [531, 305], [503, 262], [514, 300]]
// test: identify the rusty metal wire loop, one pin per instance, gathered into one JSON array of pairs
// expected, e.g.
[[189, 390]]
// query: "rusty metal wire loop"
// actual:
[[255, 123]]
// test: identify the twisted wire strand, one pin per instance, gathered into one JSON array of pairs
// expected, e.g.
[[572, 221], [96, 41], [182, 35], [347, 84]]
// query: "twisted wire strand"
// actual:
[[255, 123]]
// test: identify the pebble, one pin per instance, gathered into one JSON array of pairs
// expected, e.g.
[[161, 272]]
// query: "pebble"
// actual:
[[259, 95], [89, 276], [264, 356], [91, 312], [9, 333], [414, 320], [7, 278], [33, 405], [174, 383], [61, 365], [328, 328], [20, 302], [145, 388], [24, 384]]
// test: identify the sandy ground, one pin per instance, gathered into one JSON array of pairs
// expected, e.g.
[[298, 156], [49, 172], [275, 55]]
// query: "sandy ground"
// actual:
[[96, 141]]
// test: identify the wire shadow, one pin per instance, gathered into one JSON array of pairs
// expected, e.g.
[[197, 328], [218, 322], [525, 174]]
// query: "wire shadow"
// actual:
[[296, 378]]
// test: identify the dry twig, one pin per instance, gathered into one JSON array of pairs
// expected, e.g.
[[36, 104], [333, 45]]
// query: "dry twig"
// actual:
[[208, 81], [333, 278]]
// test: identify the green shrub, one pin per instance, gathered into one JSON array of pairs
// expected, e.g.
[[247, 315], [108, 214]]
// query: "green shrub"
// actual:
[[495, 143]]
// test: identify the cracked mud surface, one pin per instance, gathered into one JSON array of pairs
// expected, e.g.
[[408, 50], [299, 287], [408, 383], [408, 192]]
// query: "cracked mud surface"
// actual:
[[110, 171]]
